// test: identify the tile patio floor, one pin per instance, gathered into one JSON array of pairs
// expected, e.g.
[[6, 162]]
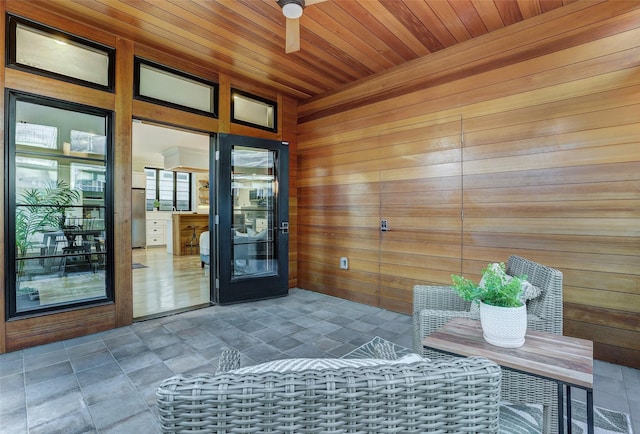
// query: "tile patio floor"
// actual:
[[106, 382]]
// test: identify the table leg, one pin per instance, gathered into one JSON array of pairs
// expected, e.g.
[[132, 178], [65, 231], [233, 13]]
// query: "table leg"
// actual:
[[560, 408], [590, 424], [568, 409]]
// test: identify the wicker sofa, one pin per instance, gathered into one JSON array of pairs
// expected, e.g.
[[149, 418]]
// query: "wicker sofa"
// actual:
[[433, 306], [374, 396]]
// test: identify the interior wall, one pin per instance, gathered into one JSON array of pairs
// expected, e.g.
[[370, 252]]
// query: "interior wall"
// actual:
[[548, 168]]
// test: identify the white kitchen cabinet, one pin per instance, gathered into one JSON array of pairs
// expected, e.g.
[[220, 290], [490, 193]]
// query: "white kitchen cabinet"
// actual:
[[156, 231]]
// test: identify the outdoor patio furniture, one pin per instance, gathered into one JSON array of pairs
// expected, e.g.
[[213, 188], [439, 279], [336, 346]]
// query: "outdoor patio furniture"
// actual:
[[433, 306], [336, 395]]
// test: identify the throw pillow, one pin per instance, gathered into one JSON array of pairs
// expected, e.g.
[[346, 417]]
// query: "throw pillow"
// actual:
[[296, 365]]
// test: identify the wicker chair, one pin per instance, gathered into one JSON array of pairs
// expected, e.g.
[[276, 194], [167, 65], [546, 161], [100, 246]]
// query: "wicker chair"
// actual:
[[433, 306], [449, 396]]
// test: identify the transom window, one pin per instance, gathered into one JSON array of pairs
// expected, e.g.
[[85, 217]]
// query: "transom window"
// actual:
[[47, 51], [160, 84], [253, 111]]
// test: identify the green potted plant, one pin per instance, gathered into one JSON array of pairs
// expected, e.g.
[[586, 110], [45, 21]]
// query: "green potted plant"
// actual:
[[156, 205], [39, 210], [503, 313]]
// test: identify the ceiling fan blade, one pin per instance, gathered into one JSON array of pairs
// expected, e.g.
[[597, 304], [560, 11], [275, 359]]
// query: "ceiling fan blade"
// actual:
[[312, 2], [292, 35]]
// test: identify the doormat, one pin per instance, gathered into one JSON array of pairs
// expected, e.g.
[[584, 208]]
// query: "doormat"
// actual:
[[521, 419], [138, 265]]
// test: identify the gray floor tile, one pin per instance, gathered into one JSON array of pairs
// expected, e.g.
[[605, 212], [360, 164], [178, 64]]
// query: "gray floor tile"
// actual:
[[85, 349], [608, 370], [12, 401], [212, 352], [141, 423], [159, 340], [284, 342], [106, 382], [11, 367], [184, 363], [361, 326], [51, 389], [128, 350], [92, 360], [38, 361], [263, 353], [15, 421], [48, 372], [122, 340], [42, 412], [119, 385], [10, 383], [110, 411], [77, 422], [139, 361], [83, 340], [41, 349], [150, 374], [10, 357], [99, 373]]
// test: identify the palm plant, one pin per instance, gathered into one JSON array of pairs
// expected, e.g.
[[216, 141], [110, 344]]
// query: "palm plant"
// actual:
[[38, 210]]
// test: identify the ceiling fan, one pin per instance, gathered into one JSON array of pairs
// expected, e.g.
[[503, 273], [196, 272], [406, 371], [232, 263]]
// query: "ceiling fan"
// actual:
[[292, 10]]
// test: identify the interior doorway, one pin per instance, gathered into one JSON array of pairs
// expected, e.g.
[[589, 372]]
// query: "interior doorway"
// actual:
[[170, 169]]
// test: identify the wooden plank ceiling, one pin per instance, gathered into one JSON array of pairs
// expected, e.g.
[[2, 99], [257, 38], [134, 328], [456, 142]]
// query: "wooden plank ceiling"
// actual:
[[342, 41]]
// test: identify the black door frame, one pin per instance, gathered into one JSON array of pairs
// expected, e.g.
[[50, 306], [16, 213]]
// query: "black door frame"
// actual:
[[226, 290]]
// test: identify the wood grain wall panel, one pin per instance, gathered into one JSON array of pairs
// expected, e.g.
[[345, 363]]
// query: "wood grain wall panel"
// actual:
[[602, 317], [168, 116], [122, 164], [549, 167], [40, 330], [420, 193], [2, 194], [52, 88]]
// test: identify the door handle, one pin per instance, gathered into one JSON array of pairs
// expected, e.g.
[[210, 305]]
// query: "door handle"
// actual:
[[284, 227]]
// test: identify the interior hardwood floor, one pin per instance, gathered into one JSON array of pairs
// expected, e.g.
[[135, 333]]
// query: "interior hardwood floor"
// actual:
[[168, 284]]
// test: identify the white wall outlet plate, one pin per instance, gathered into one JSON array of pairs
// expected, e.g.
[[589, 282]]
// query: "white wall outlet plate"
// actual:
[[344, 263]]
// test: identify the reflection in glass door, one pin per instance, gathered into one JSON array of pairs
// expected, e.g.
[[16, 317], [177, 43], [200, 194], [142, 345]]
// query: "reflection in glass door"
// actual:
[[252, 185], [58, 180], [253, 218]]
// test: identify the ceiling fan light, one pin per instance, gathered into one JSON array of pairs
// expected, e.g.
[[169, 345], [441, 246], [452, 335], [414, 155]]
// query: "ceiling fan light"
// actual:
[[292, 10]]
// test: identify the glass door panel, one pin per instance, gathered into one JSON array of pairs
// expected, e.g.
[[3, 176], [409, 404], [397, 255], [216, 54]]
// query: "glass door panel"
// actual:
[[253, 218], [58, 196], [253, 212]]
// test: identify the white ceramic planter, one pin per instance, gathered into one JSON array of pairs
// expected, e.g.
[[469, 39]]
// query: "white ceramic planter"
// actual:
[[503, 326]]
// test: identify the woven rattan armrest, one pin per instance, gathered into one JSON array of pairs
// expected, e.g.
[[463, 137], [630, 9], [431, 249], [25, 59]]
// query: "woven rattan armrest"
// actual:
[[437, 297]]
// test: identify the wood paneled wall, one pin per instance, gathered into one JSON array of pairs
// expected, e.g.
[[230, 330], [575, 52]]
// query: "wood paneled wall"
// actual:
[[532, 132], [41, 329]]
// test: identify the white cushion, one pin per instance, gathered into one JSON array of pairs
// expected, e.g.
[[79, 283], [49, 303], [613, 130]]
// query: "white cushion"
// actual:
[[204, 243], [297, 365]]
